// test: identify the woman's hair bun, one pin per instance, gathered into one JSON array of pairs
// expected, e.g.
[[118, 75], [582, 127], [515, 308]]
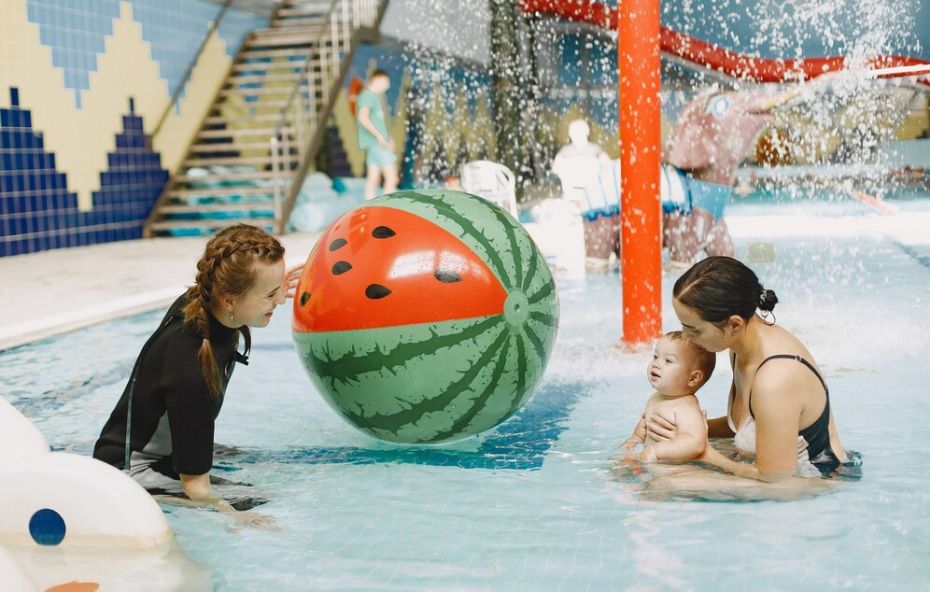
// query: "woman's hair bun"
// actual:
[[767, 300]]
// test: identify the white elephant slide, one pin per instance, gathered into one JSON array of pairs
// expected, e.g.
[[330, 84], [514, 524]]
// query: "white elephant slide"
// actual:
[[72, 522]]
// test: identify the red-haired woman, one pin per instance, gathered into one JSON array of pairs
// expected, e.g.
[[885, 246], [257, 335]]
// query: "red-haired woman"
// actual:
[[161, 430]]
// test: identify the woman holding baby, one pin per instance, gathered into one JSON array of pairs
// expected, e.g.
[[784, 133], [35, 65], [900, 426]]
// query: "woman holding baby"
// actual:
[[778, 412]]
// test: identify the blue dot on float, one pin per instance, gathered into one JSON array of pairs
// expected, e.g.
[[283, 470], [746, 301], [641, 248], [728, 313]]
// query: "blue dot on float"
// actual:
[[47, 527]]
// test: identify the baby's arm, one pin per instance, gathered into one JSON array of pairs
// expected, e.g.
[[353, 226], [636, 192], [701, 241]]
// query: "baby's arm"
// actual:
[[689, 443], [638, 437]]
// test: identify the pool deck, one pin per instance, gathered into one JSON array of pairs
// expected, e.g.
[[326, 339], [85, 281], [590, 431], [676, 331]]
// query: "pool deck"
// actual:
[[53, 292]]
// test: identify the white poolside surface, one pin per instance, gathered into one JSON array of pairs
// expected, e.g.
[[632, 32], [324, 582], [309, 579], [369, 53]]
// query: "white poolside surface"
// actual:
[[51, 292]]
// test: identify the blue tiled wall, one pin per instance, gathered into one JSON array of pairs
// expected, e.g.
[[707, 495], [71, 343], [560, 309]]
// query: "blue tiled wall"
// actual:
[[37, 211], [175, 29], [76, 31], [75, 35]]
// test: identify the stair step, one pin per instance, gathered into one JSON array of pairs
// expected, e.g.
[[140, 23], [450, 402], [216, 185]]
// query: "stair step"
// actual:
[[284, 41], [230, 147], [307, 30], [262, 78], [228, 133], [168, 225], [221, 119], [279, 68], [220, 177], [251, 105], [254, 92], [293, 4], [272, 53], [234, 160], [220, 191], [320, 8], [304, 20], [220, 207], [291, 42]]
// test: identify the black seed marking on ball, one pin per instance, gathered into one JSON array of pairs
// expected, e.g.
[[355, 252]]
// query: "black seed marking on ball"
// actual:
[[304, 297], [382, 232], [376, 291], [341, 267], [447, 276], [337, 244]]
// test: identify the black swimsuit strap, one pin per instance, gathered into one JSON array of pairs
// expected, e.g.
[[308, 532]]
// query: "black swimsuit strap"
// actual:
[[790, 357]]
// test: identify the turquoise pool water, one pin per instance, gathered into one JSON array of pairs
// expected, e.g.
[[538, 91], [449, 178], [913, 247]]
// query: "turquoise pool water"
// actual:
[[533, 505]]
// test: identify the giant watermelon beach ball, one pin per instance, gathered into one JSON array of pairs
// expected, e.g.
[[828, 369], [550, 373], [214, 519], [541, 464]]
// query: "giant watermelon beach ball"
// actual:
[[425, 316]]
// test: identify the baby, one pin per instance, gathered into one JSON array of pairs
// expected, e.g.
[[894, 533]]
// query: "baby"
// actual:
[[677, 370]]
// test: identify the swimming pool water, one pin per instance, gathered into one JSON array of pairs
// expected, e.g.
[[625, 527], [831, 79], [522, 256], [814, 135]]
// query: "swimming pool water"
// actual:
[[533, 504]]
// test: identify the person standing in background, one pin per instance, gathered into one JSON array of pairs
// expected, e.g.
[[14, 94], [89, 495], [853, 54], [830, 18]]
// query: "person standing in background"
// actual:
[[373, 137]]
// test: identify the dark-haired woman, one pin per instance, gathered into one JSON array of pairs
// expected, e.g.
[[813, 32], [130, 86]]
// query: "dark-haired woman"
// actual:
[[779, 410], [161, 430]]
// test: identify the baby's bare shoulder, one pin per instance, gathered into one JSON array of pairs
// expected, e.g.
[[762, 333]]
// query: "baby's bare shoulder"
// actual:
[[680, 405], [653, 402]]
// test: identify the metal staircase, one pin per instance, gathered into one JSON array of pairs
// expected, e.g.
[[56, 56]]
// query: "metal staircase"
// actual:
[[265, 126]]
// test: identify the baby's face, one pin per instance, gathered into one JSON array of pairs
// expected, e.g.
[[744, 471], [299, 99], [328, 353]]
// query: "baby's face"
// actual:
[[670, 368]]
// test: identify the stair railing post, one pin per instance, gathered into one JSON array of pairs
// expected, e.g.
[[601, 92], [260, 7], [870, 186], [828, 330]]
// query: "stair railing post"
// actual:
[[346, 26], [286, 161], [324, 59], [311, 98], [304, 115], [334, 41], [277, 181], [299, 122]]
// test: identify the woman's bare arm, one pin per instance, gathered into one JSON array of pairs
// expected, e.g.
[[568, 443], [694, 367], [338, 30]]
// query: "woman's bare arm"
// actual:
[[200, 492], [776, 411]]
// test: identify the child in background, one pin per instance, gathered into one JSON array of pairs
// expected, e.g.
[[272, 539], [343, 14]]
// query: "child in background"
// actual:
[[373, 136], [677, 370]]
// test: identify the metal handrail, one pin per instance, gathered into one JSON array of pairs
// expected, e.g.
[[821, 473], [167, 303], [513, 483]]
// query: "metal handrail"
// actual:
[[300, 77], [300, 115], [176, 95]]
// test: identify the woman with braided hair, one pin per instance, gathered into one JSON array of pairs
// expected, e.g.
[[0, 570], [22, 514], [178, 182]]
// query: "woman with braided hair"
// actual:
[[161, 430], [779, 407]]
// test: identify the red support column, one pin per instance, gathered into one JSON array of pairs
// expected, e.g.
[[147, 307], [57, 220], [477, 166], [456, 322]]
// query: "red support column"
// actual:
[[641, 223]]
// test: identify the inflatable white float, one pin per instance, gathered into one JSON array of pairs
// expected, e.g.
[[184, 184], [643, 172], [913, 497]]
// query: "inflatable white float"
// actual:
[[71, 522]]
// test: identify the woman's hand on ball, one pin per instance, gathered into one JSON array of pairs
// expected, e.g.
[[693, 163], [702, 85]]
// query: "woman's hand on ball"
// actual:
[[291, 278]]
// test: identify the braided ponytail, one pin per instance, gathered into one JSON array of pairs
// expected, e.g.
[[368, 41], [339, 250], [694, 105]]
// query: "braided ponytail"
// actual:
[[227, 268]]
